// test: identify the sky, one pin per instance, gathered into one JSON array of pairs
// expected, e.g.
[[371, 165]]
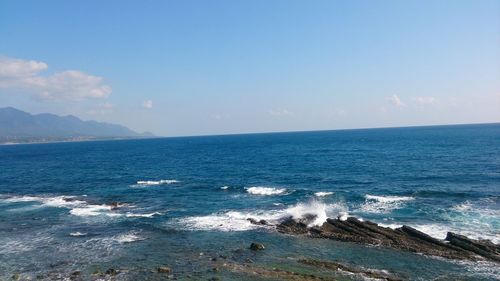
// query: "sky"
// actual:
[[222, 67]]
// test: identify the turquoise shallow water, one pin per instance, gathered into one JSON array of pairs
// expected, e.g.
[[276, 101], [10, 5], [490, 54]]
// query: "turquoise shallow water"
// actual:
[[186, 200]]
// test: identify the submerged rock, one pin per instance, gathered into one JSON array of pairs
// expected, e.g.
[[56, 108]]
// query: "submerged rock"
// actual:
[[164, 269], [335, 266], [257, 247], [404, 238], [111, 271], [257, 222]]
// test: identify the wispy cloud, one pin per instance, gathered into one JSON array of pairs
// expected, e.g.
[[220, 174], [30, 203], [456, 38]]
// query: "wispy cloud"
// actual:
[[66, 85], [424, 100], [396, 101], [147, 104], [280, 112]]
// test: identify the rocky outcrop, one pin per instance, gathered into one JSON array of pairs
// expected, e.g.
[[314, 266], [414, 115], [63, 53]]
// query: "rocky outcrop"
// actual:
[[257, 247], [404, 238], [335, 266]]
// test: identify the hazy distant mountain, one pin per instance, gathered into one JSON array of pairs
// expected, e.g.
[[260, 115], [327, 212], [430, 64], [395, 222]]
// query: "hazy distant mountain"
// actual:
[[17, 125]]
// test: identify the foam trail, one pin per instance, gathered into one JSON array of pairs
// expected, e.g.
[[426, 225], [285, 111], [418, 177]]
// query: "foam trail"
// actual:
[[77, 234], [383, 204], [262, 190], [323, 193], [128, 237], [149, 215], [160, 182], [77, 207]]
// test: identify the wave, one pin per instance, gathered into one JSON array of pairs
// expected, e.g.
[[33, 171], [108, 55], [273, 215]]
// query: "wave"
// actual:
[[323, 193], [225, 187], [388, 198], [262, 190], [77, 234], [77, 207], [160, 182], [56, 201], [314, 213], [92, 210], [383, 204], [149, 215]]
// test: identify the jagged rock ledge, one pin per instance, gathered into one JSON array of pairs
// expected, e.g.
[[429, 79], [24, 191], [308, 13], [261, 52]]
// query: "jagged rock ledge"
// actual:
[[405, 238]]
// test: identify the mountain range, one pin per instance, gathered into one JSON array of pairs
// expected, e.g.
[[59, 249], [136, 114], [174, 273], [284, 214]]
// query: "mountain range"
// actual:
[[19, 126]]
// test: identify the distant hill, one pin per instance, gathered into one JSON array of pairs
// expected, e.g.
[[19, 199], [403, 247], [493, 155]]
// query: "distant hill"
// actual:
[[19, 126]]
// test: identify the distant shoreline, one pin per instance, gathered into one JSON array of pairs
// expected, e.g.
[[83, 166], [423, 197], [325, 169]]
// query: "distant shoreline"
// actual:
[[8, 143], [236, 134]]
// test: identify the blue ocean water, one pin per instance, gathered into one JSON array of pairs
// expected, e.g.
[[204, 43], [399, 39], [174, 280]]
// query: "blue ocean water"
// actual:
[[183, 201]]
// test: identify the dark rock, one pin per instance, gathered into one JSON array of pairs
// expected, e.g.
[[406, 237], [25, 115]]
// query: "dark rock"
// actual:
[[115, 205], [256, 222], [335, 266], [484, 248], [111, 271], [257, 247], [164, 269], [405, 238]]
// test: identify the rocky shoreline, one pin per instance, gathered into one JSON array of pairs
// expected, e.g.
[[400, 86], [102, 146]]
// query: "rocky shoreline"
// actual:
[[406, 238]]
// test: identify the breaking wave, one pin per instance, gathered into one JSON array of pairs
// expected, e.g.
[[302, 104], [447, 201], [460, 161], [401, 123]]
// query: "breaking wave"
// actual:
[[262, 190], [314, 213], [148, 215], [383, 204], [323, 193], [160, 182]]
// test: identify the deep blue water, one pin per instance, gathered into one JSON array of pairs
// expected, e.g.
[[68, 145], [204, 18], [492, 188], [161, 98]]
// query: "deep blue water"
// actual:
[[54, 218]]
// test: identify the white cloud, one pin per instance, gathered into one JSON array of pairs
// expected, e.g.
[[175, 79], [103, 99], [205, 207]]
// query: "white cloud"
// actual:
[[280, 112], [20, 68], [396, 101], [424, 100], [147, 104], [67, 85]]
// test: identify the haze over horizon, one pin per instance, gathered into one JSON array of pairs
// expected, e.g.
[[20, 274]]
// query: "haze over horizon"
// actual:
[[220, 67]]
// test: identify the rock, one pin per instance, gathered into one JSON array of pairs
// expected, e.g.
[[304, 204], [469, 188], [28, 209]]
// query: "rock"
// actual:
[[256, 222], [335, 266], [164, 269], [256, 247], [15, 276], [111, 271], [484, 248], [405, 238], [115, 205]]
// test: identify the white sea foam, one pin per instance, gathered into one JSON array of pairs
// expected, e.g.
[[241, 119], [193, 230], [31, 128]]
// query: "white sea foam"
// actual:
[[314, 213], [77, 207], [323, 193], [439, 231], [128, 237], [262, 190], [383, 204], [77, 234], [56, 201], [388, 199], [225, 187], [160, 182], [92, 210], [148, 215]]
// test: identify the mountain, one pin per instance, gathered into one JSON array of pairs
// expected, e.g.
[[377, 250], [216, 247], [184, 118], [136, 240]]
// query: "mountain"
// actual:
[[20, 126]]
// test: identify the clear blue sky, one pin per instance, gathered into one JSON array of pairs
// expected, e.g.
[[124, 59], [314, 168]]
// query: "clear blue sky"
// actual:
[[215, 67]]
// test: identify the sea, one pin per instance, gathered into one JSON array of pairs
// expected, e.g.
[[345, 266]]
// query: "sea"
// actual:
[[74, 210]]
